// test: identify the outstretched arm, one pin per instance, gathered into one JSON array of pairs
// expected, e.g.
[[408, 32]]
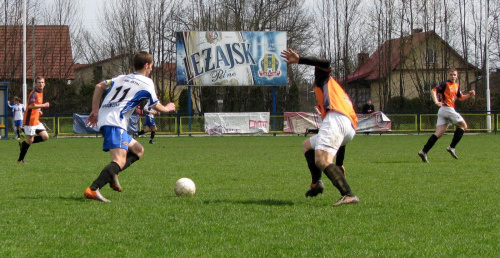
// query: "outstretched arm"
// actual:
[[170, 107], [292, 57], [468, 95]]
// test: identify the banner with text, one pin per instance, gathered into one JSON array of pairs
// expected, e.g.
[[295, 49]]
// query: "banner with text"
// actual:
[[231, 58], [373, 122], [237, 123], [299, 122]]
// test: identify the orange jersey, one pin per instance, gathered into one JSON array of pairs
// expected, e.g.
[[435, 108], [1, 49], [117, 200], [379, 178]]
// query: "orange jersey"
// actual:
[[332, 97], [448, 92], [32, 116], [329, 94]]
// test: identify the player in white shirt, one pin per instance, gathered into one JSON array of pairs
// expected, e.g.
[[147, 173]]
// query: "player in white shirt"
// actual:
[[123, 94], [18, 115], [149, 123]]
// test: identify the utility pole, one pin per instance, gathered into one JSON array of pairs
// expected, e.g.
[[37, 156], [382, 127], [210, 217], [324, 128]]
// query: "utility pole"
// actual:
[[487, 70], [24, 53]]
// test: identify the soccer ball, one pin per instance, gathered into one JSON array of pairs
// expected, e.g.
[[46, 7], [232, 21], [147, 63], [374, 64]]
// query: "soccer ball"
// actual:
[[184, 187]]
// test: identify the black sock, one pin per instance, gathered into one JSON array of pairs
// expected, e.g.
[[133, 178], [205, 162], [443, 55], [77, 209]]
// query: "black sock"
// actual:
[[38, 139], [152, 135], [459, 132], [315, 171], [17, 131], [337, 177], [105, 176], [24, 149], [131, 158], [339, 158], [141, 132], [433, 139]]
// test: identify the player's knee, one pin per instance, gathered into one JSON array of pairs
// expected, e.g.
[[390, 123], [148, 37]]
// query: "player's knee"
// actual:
[[139, 152], [321, 164], [306, 146]]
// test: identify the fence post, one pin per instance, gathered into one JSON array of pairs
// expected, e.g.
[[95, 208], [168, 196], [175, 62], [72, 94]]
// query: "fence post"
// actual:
[[418, 123]]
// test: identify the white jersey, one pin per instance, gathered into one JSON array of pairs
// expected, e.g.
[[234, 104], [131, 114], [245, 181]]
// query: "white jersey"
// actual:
[[18, 111], [124, 94], [148, 108]]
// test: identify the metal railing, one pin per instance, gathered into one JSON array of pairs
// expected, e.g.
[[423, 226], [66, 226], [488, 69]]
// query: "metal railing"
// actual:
[[181, 124]]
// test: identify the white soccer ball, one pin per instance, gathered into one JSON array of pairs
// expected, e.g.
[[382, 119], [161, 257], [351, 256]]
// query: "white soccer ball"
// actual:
[[184, 187]]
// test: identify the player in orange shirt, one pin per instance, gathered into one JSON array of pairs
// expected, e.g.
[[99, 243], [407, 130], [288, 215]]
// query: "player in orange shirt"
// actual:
[[448, 91], [338, 127], [32, 115]]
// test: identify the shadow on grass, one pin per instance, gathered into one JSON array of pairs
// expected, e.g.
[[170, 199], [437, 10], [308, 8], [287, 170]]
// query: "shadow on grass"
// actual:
[[268, 202]]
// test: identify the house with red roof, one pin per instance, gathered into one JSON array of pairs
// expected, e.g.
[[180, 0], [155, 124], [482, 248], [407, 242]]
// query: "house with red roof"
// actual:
[[406, 67], [48, 52]]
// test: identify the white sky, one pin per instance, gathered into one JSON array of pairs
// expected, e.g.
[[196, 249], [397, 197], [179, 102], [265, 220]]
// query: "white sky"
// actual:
[[90, 13]]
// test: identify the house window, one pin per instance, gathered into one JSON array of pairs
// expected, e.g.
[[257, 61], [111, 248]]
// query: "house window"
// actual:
[[431, 55]]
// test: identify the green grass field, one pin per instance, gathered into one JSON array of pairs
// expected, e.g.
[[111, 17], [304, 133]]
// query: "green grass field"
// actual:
[[250, 200]]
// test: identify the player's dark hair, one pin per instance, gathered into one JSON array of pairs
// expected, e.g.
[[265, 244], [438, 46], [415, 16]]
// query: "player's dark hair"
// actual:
[[141, 58], [16, 98]]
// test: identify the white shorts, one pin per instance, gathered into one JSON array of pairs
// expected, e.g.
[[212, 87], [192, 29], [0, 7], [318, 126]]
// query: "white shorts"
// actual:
[[32, 130], [448, 116], [336, 130]]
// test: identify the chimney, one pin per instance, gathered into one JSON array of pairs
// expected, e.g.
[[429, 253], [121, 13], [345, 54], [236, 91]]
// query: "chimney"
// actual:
[[417, 30], [362, 58]]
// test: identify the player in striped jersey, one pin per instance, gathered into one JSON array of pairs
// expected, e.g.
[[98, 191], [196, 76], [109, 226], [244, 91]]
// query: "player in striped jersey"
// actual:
[[32, 124], [122, 95], [448, 91], [338, 127]]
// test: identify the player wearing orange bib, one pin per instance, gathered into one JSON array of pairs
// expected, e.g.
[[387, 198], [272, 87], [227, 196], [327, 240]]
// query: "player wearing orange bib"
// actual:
[[338, 127], [32, 115], [448, 91]]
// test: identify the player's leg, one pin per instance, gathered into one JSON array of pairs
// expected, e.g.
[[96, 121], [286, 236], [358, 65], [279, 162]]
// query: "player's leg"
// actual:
[[24, 146], [461, 126], [144, 130], [30, 132], [135, 152], [19, 125], [441, 126], [116, 141], [339, 159], [152, 124], [317, 186], [41, 137], [153, 132], [336, 131]]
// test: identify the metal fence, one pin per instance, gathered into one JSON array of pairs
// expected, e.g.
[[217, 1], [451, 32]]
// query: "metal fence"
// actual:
[[179, 124]]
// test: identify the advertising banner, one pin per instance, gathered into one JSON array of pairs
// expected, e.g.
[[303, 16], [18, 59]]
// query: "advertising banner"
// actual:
[[373, 122], [231, 58], [79, 126], [299, 122], [237, 123]]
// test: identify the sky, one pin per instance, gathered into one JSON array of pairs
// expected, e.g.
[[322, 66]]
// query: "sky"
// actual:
[[90, 13]]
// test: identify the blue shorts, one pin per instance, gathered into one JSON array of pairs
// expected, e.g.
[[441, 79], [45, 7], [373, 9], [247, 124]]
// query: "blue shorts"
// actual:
[[114, 138], [18, 123], [149, 122]]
